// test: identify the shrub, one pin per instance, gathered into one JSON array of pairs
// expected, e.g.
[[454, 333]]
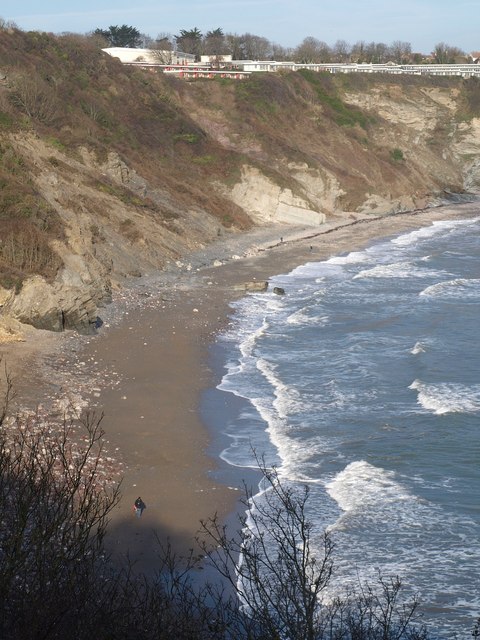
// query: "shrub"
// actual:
[[26, 249], [397, 155], [34, 97], [6, 121]]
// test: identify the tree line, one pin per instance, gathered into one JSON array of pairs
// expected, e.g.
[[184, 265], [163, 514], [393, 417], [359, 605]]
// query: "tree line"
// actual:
[[248, 46]]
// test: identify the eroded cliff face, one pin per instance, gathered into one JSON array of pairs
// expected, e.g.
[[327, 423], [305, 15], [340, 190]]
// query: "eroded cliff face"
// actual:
[[287, 158], [416, 144]]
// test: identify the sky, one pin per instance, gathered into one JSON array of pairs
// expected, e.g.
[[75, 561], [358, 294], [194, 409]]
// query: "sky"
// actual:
[[423, 23]]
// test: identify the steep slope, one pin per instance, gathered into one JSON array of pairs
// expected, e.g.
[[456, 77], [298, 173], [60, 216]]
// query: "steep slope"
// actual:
[[108, 172]]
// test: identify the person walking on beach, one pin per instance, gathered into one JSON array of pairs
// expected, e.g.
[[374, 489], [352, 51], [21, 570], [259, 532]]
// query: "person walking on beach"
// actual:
[[139, 506]]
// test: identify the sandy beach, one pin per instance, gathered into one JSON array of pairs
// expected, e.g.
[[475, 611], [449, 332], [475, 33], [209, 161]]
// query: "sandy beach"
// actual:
[[148, 366]]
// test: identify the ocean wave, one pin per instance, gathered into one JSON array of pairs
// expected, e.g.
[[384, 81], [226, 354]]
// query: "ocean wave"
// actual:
[[301, 318], [362, 486], [354, 257], [464, 288], [407, 536], [425, 233], [405, 269], [447, 397]]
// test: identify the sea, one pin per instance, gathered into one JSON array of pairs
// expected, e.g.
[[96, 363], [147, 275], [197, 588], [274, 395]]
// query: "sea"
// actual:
[[362, 381]]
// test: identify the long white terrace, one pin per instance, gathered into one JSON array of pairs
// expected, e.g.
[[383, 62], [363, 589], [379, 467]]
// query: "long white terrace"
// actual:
[[184, 65]]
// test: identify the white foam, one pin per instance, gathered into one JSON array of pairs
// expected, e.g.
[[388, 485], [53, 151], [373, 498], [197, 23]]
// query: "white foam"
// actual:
[[418, 348], [301, 318], [444, 398], [354, 257], [464, 288], [250, 338], [396, 270], [361, 486], [437, 227], [287, 400]]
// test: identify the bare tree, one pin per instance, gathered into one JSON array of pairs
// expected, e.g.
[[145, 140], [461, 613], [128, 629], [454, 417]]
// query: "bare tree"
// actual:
[[280, 53], [445, 54], [400, 51], [311, 50], [279, 567], [35, 97], [358, 51], [161, 50], [270, 562], [341, 51], [234, 46], [54, 517], [256, 47], [376, 53], [7, 25]]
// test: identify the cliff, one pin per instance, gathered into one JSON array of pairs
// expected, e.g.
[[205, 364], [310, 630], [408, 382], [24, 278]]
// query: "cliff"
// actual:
[[110, 172]]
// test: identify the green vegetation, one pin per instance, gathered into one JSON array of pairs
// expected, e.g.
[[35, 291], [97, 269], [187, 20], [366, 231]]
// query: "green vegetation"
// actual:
[[120, 36], [261, 94], [470, 96], [204, 160], [397, 155], [344, 115], [6, 120], [55, 142], [191, 138]]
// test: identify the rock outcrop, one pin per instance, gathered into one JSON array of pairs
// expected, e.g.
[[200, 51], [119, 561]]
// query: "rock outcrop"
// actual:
[[57, 307], [268, 202]]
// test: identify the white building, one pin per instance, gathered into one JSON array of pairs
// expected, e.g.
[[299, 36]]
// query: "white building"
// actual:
[[128, 55], [215, 59]]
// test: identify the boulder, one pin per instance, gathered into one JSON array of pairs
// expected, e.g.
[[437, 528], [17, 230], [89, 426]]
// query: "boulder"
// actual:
[[279, 291]]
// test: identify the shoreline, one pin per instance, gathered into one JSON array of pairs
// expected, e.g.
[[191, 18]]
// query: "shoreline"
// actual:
[[149, 369]]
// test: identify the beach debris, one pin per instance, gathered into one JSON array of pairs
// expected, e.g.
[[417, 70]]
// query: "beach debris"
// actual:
[[58, 433], [252, 286]]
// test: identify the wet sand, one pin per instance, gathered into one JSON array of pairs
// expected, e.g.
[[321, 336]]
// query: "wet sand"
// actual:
[[149, 365]]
